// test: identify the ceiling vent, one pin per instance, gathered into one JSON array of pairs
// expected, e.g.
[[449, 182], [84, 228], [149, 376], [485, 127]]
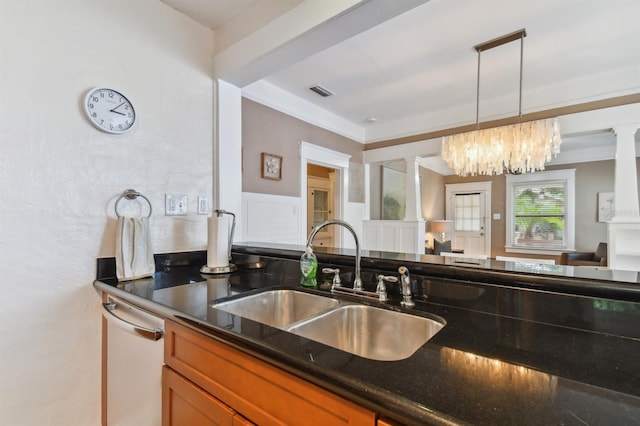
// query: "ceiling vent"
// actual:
[[321, 91]]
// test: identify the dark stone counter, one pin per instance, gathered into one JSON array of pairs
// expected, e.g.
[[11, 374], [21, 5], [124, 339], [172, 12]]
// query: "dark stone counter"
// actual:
[[514, 350]]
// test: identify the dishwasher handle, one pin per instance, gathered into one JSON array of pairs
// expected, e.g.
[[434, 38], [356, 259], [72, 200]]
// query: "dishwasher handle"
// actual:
[[137, 330]]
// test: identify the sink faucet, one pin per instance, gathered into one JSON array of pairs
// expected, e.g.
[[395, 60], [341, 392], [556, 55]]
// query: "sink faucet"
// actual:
[[357, 282]]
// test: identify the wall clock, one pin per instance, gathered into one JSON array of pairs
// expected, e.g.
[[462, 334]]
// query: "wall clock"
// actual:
[[109, 110]]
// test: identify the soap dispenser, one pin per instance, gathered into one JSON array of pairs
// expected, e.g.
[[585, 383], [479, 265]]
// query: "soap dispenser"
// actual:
[[308, 267]]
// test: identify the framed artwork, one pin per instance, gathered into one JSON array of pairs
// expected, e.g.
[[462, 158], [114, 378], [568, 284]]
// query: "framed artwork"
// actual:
[[271, 166], [606, 206], [394, 193]]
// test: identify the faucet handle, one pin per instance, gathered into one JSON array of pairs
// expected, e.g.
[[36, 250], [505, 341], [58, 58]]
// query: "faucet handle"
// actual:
[[336, 276], [381, 289]]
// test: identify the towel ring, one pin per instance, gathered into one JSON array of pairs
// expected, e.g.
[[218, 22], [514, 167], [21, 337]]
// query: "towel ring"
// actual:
[[132, 194]]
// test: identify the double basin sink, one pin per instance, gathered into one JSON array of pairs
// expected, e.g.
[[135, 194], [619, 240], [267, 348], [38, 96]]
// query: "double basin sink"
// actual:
[[363, 330]]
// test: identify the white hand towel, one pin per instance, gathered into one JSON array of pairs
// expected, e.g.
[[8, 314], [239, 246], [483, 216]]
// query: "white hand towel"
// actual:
[[134, 255]]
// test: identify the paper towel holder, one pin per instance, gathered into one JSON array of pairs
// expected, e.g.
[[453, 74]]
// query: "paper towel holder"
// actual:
[[206, 269]]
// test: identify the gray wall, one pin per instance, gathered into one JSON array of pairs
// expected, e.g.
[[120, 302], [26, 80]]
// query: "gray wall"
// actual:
[[432, 194], [267, 130]]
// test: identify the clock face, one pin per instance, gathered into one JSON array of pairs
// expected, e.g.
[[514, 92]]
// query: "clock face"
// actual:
[[109, 110]]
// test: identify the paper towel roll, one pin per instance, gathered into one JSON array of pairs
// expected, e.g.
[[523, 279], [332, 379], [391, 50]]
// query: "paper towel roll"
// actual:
[[218, 241]]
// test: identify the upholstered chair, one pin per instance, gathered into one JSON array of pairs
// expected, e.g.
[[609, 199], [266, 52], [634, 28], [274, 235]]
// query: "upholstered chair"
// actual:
[[597, 258]]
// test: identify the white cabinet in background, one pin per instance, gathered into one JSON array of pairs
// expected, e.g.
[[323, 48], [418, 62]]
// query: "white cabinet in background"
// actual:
[[320, 208]]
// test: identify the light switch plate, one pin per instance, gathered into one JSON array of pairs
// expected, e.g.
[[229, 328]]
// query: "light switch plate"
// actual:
[[203, 205], [496, 216], [176, 205]]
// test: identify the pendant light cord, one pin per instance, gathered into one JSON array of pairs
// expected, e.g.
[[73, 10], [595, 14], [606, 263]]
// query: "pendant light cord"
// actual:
[[520, 34]]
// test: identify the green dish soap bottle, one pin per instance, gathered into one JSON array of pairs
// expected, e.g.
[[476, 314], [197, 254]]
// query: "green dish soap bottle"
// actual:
[[308, 267]]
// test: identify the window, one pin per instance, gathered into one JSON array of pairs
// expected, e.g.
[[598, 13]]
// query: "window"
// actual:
[[468, 212], [540, 211], [539, 214]]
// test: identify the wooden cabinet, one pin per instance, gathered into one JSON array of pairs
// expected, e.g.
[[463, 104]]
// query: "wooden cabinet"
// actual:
[[387, 423], [184, 403], [261, 393]]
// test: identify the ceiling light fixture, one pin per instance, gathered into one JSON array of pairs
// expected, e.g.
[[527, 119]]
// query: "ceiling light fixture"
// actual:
[[517, 148]]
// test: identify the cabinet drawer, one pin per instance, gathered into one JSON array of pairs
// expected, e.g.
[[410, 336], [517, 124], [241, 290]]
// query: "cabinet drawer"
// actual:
[[183, 403], [258, 391], [387, 423]]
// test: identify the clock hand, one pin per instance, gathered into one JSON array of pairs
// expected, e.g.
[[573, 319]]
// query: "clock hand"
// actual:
[[117, 112], [112, 110]]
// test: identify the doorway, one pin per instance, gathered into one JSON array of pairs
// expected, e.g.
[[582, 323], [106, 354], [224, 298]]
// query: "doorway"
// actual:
[[468, 205], [320, 202], [339, 162]]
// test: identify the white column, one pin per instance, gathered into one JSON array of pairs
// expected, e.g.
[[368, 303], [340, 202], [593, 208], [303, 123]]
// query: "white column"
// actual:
[[367, 192], [624, 229], [413, 203], [227, 151], [626, 183]]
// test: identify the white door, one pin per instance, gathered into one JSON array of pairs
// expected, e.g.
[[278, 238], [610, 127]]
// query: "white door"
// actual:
[[469, 207]]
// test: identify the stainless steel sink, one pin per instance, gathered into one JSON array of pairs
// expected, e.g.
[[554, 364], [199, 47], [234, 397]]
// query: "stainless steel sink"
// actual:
[[363, 330], [370, 332], [278, 308]]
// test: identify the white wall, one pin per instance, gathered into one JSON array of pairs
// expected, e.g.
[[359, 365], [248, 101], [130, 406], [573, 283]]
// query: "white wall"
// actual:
[[59, 178], [271, 218], [280, 219]]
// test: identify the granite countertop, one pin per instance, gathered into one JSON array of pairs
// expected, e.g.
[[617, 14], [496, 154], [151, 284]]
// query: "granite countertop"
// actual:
[[506, 356]]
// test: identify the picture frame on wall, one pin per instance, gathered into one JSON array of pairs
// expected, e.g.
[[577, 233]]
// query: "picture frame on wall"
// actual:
[[271, 166], [394, 194], [606, 206]]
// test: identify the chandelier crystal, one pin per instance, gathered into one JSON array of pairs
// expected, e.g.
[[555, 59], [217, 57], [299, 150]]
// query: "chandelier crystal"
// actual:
[[518, 148]]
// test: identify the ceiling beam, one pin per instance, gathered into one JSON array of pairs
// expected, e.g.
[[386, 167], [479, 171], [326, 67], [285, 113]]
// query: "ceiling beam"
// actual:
[[305, 30], [538, 115]]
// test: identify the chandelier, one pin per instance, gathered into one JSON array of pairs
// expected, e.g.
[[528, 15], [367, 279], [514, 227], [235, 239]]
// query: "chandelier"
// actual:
[[517, 148]]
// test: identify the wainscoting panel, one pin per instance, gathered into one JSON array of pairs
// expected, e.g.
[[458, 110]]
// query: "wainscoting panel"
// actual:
[[398, 236], [271, 218], [623, 248]]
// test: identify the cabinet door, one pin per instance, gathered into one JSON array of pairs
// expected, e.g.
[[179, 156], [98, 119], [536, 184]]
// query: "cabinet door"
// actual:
[[319, 211], [386, 423], [183, 403], [238, 420], [262, 393], [318, 207]]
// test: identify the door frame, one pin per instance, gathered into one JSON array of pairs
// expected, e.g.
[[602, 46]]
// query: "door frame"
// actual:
[[310, 153], [484, 188]]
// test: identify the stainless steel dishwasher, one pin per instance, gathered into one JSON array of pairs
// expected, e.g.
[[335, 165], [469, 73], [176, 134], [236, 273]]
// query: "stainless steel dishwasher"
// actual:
[[134, 359]]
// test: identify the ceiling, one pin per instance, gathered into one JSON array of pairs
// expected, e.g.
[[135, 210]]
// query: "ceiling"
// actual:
[[417, 72], [210, 13]]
